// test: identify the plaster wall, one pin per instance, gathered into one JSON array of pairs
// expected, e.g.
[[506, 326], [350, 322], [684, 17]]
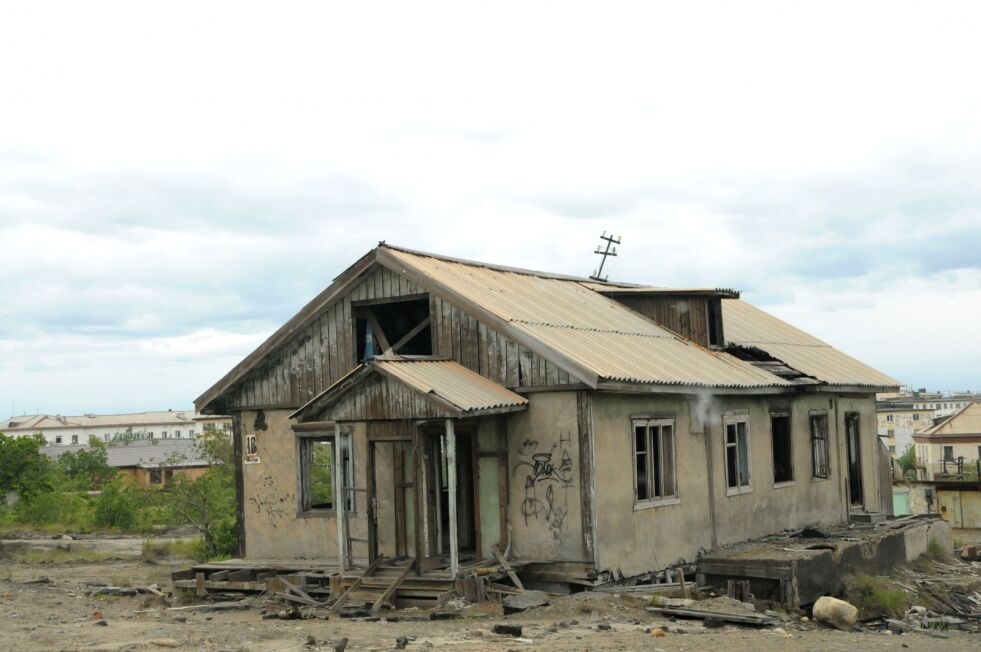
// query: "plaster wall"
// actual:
[[545, 507], [272, 528], [634, 538], [637, 538]]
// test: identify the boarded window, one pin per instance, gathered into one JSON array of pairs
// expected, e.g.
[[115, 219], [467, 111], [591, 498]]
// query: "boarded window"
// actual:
[[819, 446], [737, 453], [783, 464], [654, 471]]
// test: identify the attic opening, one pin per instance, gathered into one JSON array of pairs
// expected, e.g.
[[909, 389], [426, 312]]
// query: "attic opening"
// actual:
[[763, 360], [394, 327]]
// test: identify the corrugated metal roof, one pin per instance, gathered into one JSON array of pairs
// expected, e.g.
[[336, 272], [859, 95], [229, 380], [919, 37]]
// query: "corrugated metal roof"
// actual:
[[966, 421], [452, 383], [747, 325], [600, 333], [166, 452]]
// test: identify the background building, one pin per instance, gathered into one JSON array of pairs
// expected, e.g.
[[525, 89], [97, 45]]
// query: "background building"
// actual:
[[147, 463], [902, 414], [76, 430], [951, 447]]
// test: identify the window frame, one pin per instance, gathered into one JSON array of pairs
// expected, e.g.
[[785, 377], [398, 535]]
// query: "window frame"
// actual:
[[652, 425], [341, 449], [812, 418], [790, 446], [735, 420]]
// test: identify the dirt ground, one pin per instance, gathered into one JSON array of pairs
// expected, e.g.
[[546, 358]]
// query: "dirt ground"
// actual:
[[59, 615]]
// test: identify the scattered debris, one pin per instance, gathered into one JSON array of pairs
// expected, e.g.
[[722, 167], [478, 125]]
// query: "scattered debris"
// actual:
[[40, 580], [507, 630], [524, 600]]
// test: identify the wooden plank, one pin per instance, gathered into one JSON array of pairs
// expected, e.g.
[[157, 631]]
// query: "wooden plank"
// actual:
[[747, 619], [341, 599], [293, 588], [740, 570], [387, 593], [584, 420], [451, 490], [507, 568]]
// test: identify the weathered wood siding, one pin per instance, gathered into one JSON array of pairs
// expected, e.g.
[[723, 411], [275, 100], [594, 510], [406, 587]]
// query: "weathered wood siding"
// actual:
[[685, 315], [321, 353], [318, 355], [380, 397], [488, 352]]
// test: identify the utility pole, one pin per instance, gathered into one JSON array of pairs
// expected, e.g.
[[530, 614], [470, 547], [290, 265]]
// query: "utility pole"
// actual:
[[610, 250]]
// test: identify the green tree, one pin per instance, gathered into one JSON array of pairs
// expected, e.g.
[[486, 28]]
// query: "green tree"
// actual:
[[907, 460], [23, 467], [89, 469], [207, 503]]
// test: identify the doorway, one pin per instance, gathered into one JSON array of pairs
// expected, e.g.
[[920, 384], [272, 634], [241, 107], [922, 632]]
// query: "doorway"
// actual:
[[855, 490], [434, 467]]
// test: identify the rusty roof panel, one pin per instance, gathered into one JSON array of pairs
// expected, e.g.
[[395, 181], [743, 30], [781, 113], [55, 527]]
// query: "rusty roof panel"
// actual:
[[451, 382], [747, 325]]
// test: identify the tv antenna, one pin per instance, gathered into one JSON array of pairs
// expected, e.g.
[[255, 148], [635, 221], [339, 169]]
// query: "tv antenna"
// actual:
[[610, 250]]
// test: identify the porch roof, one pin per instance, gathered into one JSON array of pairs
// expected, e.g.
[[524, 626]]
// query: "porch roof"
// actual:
[[448, 387]]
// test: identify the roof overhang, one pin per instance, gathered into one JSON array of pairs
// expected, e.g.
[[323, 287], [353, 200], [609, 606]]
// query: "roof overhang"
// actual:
[[450, 389]]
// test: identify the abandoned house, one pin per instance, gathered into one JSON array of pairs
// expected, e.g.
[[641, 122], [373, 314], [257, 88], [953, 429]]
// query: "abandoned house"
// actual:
[[443, 411]]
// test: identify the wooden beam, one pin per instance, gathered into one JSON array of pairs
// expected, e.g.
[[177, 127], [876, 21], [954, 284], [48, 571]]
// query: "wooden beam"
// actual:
[[451, 485], [507, 568], [418, 328], [376, 329], [342, 598], [387, 593], [339, 513]]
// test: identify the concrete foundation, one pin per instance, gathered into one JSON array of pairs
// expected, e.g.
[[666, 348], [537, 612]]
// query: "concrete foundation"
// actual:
[[797, 570]]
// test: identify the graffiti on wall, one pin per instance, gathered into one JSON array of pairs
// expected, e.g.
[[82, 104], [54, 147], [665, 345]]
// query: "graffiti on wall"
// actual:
[[548, 477], [267, 502]]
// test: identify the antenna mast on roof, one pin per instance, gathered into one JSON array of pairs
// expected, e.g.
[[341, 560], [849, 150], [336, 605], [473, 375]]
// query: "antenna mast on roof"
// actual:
[[609, 251]]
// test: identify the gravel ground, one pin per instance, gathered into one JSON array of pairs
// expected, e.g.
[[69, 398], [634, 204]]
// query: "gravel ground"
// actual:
[[60, 616]]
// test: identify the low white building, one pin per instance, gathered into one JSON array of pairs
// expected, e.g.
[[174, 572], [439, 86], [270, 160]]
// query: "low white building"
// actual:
[[69, 430]]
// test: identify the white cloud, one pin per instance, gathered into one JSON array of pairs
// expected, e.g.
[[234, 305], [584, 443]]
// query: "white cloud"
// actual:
[[176, 181]]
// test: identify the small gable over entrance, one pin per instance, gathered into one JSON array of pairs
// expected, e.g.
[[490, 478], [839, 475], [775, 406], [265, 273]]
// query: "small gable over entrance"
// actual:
[[399, 388]]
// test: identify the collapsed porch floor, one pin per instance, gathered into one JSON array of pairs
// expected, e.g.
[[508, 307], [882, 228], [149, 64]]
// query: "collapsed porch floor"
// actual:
[[796, 569], [388, 582]]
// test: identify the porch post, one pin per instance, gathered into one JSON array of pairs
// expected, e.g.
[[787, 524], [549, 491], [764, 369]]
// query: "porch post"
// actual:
[[338, 476], [450, 442]]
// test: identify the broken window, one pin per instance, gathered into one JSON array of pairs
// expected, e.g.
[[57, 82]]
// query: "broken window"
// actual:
[[819, 446], [783, 465], [737, 454], [156, 477], [654, 472], [319, 462], [400, 326]]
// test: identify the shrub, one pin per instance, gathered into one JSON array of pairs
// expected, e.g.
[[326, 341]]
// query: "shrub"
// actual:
[[875, 596], [68, 510], [115, 507]]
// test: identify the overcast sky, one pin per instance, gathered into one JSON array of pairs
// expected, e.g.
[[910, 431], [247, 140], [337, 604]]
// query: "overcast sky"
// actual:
[[178, 179]]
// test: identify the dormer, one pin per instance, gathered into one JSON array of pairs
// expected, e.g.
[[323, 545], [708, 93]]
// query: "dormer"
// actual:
[[693, 313]]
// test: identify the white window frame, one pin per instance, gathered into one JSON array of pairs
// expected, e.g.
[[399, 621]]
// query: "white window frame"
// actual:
[[652, 425], [734, 420]]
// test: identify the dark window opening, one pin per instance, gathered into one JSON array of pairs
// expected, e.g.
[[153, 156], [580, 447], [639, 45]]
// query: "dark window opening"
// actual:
[[948, 452], [715, 322], [783, 466], [400, 325], [156, 476]]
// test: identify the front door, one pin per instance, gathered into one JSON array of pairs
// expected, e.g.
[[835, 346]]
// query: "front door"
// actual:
[[856, 494], [392, 510]]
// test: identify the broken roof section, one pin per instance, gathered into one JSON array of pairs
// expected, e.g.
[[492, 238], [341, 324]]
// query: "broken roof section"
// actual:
[[748, 326], [449, 388]]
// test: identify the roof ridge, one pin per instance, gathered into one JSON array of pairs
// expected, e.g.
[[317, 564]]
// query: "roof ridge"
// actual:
[[616, 331]]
